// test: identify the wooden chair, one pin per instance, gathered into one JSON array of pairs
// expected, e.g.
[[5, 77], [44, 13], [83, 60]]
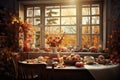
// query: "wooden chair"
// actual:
[[31, 71]]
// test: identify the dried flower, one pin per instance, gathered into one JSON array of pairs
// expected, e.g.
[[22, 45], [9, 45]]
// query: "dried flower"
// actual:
[[54, 40]]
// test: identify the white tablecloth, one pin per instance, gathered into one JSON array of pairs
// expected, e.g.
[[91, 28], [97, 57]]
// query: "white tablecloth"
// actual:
[[104, 72]]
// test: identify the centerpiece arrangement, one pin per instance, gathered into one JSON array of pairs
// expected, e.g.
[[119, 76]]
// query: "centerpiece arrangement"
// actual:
[[54, 41]]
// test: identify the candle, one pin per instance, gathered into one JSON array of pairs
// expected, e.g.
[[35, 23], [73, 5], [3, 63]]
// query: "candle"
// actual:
[[58, 55], [100, 46]]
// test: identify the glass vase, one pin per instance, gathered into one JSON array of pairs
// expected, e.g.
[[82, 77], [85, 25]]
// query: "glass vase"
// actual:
[[54, 50]]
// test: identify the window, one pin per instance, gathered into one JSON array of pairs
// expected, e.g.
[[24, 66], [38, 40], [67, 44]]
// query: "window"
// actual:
[[90, 25], [33, 16], [81, 23], [60, 19]]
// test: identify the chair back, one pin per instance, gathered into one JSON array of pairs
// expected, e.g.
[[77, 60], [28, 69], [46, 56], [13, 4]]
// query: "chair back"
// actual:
[[31, 71]]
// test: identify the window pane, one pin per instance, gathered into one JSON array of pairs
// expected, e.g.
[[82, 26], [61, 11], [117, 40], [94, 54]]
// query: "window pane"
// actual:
[[85, 11], [37, 40], [95, 20], [69, 40], [37, 28], [85, 41], [52, 29], [37, 12], [95, 9], [69, 29], [52, 12], [85, 20], [37, 36], [36, 21], [95, 40], [86, 30], [68, 12], [29, 11], [68, 20], [52, 21], [95, 30], [30, 20]]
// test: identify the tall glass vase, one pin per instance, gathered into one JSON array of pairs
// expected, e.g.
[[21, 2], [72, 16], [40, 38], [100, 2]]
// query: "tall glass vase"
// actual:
[[54, 50]]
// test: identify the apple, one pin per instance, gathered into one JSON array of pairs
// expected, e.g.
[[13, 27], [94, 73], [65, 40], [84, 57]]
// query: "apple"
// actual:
[[118, 60], [79, 64], [55, 59], [69, 58], [64, 57], [76, 57]]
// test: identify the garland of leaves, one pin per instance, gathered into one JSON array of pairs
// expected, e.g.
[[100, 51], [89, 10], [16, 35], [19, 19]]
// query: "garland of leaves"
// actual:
[[114, 46]]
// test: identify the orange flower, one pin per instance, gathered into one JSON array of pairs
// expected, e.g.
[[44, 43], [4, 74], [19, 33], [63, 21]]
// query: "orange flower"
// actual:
[[54, 41]]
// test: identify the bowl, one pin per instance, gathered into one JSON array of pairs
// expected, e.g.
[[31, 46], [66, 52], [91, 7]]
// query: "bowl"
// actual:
[[70, 62]]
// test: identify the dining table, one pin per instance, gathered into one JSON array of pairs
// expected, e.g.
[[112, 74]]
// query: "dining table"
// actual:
[[87, 72]]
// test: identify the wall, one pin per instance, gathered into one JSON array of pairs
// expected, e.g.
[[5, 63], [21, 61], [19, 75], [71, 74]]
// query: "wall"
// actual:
[[115, 14], [10, 5]]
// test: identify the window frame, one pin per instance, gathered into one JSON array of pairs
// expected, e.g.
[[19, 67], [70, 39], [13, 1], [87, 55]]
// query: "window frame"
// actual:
[[100, 23], [78, 21]]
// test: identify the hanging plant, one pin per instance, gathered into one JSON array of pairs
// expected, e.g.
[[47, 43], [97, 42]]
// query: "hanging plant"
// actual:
[[28, 31]]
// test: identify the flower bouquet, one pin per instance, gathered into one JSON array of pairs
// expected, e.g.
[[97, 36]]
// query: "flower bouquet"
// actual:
[[54, 40]]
